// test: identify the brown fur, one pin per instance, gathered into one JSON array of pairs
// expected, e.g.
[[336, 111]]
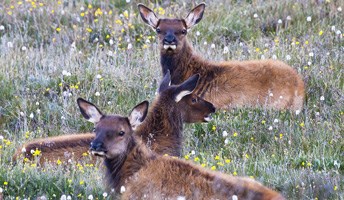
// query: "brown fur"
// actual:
[[162, 129], [146, 175], [255, 83], [66, 147]]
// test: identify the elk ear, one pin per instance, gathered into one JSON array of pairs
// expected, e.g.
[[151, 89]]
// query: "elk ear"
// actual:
[[138, 114], [187, 87], [165, 82], [89, 111], [195, 15], [148, 16]]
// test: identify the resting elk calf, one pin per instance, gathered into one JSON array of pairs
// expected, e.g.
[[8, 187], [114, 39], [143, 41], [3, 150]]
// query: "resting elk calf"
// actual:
[[161, 129], [63, 148], [143, 174], [163, 136], [256, 83]]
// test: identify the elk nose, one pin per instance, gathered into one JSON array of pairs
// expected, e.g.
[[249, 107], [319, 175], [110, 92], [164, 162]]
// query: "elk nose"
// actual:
[[169, 39], [96, 146]]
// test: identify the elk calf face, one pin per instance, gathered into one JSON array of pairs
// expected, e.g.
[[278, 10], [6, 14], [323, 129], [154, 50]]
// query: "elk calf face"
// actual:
[[113, 132], [171, 32]]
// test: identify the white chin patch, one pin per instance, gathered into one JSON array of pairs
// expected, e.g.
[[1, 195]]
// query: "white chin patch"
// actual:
[[170, 46], [207, 118], [98, 153]]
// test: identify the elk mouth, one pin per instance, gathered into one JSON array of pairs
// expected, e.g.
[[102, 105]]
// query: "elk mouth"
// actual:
[[170, 46], [98, 153], [207, 118]]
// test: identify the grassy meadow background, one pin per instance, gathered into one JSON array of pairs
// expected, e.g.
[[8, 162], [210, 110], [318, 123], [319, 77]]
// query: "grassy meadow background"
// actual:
[[52, 52]]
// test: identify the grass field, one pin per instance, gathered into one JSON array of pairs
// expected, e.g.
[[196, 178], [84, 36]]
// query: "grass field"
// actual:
[[52, 52]]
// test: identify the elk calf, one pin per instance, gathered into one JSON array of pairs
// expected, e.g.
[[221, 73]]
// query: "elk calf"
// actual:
[[256, 83], [63, 148], [163, 136], [143, 174], [162, 129]]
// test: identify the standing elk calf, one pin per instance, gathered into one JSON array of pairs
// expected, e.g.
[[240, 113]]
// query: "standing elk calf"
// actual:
[[63, 148], [256, 83], [143, 174]]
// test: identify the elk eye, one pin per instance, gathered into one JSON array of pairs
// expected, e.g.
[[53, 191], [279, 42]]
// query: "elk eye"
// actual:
[[158, 30], [184, 31], [121, 133], [193, 100]]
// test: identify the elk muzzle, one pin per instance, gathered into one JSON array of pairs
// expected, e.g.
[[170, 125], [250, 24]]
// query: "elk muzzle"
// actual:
[[97, 149]]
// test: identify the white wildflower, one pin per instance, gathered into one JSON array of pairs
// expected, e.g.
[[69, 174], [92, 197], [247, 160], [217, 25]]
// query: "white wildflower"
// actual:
[[193, 152], [130, 46], [122, 190], [317, 113], [270, 128], [225, 50], [281, 97], [82, 8], [109, 102], [69, 197], [22, 114], [338, 32], [274, 57], [288, 18], [276, 120], [128, 1], [98, 76], [322, 98], [333, 28], [63, 197], [32, 151], [271, 94], [262, 57], [297, 112], [288, 57], [311, 54], [1, 190], [23, 48], [31, 115], [63, 118], [234, 197], [9, 44], [23, 150], [111, 42], [309, 63], [279, 21], [339, 9], [226, 141], [110, 53], [255, 15], [38, 111], [309, 18], [97, 94], [224, 134], [37, 103], [105, 194], [198, 33], [181, 198], [2, 28], [205, 43], [212, 46], [90, 197]]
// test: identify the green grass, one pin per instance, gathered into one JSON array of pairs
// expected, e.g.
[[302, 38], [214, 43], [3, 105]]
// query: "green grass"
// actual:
[[50, 55]]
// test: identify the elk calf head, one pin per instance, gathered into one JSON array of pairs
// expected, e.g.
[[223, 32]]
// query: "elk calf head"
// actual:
[[171, 32], [192, 107], [113, 132]]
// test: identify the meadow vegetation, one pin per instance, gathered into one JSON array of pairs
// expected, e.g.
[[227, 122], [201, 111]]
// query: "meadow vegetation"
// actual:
[[52, 52]]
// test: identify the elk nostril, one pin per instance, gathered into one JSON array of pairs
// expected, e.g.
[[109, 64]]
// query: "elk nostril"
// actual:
[[169, 39], [96, 146]]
